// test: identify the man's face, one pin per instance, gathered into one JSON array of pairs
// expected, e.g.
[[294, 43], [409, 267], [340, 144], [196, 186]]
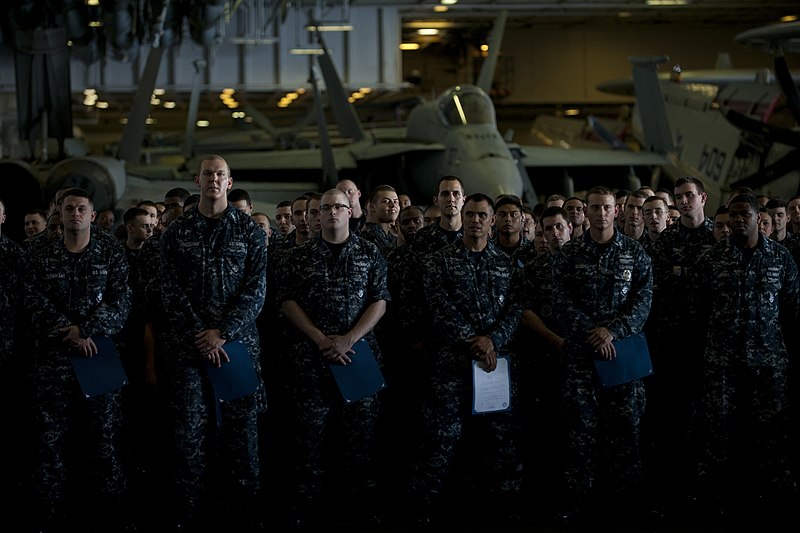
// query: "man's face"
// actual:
[[283, 217], [450, 198], [34, 224], [477, 219], [674, 216], [557, 231], [431, 213], [385, 207], [242, 205], [405, 200], [779, 218], [410, 222], [350, 189], [540, 241], [575, 214], [721, 227], [664, 195], [312, 214], [54, 226], [690, 201], [655, 216], [793, 211], [76, 214], [140, 228], [105, 220], [509, 220], [300, 217], [529, 227], [743, 220], [334, 211], [765, 225], [633, 211], [152, 211], [214, 179], [263, 223], [602, 211]]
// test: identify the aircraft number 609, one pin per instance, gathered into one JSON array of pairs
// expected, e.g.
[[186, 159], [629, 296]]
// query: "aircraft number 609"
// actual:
[[712, 162]]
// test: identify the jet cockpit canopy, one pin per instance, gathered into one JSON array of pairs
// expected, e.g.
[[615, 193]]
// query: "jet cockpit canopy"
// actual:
[[466, 104]]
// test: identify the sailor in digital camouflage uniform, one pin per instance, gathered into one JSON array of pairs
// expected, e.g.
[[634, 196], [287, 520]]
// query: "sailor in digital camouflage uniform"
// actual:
[[470, 287], [213, 272], [75, 290], [538, 342], [604, 287], [334, 297], [675, 342], [14, 368], [747, 294], [384, 209]]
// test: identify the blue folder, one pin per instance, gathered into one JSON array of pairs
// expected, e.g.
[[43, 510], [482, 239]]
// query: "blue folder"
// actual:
[[237, 377], [100, 373], [632, 362], [361, 378]]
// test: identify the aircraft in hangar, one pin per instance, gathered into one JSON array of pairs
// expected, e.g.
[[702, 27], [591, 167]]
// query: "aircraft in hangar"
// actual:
[[455, 134], [732, 128]]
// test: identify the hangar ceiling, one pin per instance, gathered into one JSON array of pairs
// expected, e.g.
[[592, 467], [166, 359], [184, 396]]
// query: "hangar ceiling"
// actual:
[[103, 29]]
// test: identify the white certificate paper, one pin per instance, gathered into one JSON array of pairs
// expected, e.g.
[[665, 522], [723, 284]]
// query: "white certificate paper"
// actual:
[[491, 391]]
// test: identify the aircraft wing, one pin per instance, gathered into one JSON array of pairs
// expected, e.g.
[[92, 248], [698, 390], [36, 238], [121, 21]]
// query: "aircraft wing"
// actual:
[[544, 156], [381, 150]]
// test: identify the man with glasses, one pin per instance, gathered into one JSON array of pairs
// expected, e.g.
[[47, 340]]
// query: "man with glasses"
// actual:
[[333, 301]]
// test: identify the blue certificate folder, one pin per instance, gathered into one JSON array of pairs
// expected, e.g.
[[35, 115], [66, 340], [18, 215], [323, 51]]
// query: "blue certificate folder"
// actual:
[[632, 362], [361, 378], [100, 373], [237, 377]]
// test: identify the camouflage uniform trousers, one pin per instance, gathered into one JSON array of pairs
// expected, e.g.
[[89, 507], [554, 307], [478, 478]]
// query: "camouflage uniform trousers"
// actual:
[[62, 410], [322, 414], [749, 400], [492, 439], [198, 433], [593, 411]]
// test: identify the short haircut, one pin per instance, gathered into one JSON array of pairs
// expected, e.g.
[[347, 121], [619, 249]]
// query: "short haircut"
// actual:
[[636, 194], [447, 178], [237, 195], [148, 203], [622, 193], [553, 197], [721, 210], [314, 196], [132, 213], [581, 200], [480, 197], [508, 199], [553, 211], [691, 180], [601, 190], [408, 209], [652, 199], [180, 192], [212, 157], [34, 211], [191, 200], [260, 214], [379, 189], [284, 203], [748, 199], [79, 193], [776, 203]]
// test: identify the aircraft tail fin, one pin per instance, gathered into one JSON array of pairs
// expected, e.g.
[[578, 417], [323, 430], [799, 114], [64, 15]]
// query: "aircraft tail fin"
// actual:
[[343, 111], [650, 102], [329, 172], [486, 75]]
